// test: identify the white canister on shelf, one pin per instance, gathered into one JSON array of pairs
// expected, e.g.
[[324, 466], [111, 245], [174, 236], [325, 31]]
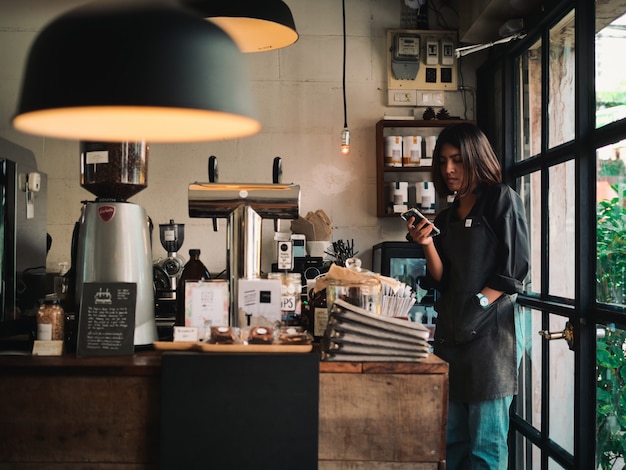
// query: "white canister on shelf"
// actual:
[[412, 151], [399, 196], [425, 197], [431, 140], [393, 150]]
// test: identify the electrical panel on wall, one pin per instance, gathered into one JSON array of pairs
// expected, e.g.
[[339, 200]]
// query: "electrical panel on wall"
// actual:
[[421, 60]]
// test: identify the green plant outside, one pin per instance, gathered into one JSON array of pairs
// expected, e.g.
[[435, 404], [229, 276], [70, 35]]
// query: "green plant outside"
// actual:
[[611, 350]]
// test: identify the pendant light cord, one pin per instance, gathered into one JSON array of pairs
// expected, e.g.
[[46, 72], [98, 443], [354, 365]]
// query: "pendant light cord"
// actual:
[[345, 112]]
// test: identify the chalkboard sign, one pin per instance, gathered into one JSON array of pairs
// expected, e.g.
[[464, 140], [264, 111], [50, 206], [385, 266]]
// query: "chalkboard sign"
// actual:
[[106, 321]]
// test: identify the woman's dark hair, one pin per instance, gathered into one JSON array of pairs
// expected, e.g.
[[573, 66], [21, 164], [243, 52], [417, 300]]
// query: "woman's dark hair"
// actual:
[[480, 162]]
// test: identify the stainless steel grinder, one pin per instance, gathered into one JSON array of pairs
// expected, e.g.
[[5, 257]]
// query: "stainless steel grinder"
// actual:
[[114, 239]]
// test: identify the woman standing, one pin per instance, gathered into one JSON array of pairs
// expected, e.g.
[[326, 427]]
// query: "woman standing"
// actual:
[[478, 264]]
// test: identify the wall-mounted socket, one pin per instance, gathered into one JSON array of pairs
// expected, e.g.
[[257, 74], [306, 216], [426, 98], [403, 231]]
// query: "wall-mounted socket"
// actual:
[[430, 98], [401, 97]]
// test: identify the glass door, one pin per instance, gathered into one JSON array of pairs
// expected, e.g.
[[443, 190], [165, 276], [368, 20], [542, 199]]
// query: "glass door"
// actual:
[[564, 150]]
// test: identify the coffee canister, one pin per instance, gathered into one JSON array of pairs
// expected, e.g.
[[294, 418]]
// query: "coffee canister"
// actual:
[[431, 140], [425, 197], [399, 194], [412, 153], [393, 150]]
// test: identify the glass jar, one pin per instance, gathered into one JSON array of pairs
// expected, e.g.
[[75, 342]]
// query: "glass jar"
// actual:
[[51, 319], [366, 291], [290, 297]]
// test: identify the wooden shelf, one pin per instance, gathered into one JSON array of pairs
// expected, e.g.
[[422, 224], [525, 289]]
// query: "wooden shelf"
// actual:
[[386, 174]]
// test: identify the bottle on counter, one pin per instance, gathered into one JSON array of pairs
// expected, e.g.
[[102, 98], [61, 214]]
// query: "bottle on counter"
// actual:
[[194, 270], [51, 319], [315, 314]]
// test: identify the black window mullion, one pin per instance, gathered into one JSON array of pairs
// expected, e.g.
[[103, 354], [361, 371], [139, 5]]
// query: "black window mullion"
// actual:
[[585, 278], [545, 247]]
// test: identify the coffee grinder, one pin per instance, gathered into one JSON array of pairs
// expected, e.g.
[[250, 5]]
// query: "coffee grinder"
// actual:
[[172, 236], [114, 237]]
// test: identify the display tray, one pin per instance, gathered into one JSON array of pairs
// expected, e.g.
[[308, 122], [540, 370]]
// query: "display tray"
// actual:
[[231, 348]]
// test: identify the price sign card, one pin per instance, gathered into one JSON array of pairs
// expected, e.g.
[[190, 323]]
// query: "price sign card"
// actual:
[[106, 322]]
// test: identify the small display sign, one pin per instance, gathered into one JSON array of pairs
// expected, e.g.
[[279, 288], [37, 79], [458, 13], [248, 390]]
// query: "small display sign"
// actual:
[[106, 322]]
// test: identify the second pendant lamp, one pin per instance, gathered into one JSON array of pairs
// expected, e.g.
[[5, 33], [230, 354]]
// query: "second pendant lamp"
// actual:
[[254, 25]]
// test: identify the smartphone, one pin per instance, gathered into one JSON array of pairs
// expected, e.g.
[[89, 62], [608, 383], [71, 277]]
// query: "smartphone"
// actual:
[[413, 212]]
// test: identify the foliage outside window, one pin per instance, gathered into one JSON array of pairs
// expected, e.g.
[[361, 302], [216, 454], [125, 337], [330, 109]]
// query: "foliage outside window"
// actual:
[[611, 354]]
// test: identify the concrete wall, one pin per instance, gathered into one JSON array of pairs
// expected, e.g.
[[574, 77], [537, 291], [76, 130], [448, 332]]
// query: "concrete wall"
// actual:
[[298, 92]]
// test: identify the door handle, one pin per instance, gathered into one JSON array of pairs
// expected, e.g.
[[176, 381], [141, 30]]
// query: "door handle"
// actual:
[[567, 334]]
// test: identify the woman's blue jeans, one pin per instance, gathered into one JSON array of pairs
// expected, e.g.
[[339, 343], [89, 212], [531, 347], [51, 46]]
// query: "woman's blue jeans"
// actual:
[[477, 435]]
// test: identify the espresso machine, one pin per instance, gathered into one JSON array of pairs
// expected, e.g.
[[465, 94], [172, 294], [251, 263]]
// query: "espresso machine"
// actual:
[[113, 239], [244, 205]]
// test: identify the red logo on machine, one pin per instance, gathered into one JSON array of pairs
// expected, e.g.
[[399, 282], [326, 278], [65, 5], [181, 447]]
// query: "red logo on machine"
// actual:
[[106, 213]]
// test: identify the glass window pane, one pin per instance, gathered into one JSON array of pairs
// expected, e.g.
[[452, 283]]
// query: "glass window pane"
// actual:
[[561, 388], [527, 455], [529, 69], [610, 84], [530, 191], [611, 397], [611, 224], [529, 394], [552, 465], [561, 104], [561, 220]]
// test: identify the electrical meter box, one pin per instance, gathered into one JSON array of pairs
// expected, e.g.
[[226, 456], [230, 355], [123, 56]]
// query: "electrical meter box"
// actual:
[[421, 60]]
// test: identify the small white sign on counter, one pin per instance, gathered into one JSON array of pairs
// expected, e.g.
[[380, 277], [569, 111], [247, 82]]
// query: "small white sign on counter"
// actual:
[[186, 334], [48, 348], [259, 302], [206, 304]]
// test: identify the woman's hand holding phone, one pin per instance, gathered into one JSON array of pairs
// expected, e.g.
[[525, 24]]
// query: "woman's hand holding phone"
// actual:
[[421, 230]]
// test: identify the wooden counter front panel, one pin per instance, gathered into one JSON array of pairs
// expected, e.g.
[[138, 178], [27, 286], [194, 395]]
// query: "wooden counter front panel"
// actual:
[[382, 418], [79, 422]]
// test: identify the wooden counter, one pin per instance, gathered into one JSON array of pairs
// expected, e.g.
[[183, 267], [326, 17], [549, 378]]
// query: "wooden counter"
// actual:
[[76, 413], [383, 415], [104, 413]]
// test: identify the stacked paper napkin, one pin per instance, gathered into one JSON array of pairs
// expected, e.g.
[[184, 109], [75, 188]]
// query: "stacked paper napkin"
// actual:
[[355, 335]]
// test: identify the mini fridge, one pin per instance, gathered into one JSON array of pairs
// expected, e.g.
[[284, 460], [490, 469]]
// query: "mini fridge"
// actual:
[[405, 262]]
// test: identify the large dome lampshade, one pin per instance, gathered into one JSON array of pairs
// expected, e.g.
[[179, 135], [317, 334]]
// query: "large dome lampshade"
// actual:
[[255, 26], [135, 70]]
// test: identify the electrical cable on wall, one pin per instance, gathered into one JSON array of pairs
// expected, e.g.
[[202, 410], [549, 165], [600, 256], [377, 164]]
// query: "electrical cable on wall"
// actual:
[[345, 133]]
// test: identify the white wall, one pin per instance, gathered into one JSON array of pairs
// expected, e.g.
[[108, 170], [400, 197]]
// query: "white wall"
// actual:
[[299, 98]]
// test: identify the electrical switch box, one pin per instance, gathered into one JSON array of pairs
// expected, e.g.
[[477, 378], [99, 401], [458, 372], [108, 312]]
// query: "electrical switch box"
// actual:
[[447, 52], [432, 51], [419, 60]]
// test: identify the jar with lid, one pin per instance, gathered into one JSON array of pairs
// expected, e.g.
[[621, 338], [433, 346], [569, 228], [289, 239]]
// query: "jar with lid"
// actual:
[[51, 319], [290, 297], [363, 290]]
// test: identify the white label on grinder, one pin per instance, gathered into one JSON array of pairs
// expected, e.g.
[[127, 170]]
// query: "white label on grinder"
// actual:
[[97, 156], [169, 235]]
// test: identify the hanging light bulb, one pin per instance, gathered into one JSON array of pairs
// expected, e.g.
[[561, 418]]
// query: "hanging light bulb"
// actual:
[[345, 141], [345, 133]]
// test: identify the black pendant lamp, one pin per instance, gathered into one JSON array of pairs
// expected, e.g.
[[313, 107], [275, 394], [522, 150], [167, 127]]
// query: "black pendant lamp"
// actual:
[[255, 25], [135, 70]]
